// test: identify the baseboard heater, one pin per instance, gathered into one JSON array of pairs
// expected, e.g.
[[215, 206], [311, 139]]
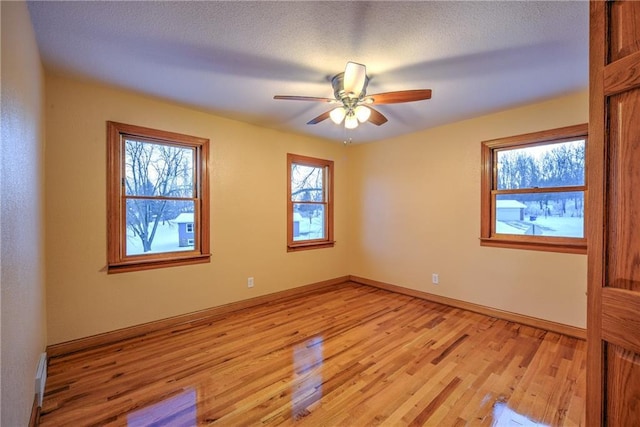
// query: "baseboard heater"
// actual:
[[41, 378]]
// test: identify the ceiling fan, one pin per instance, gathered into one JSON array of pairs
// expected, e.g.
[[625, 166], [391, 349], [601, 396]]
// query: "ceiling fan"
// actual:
[[350, 90]]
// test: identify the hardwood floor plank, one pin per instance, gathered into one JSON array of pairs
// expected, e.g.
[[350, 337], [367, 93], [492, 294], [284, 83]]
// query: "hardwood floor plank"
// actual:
[[346, 355], [424, 416]]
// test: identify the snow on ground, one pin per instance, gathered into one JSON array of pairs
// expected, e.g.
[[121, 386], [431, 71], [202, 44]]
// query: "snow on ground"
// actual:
[[504, 228], [550, 226], [165, 240], [309, 230]]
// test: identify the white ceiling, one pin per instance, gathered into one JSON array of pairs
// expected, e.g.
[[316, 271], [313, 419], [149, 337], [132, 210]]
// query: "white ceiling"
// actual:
[[231, 58]]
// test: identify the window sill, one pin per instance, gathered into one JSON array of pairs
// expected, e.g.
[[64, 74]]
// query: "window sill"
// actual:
[[545, 246], [147, 264], [308, 246]]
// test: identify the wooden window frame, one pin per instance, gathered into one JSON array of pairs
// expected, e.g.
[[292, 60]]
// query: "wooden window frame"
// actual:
[[488, 236], [328, 241], [117, 260]]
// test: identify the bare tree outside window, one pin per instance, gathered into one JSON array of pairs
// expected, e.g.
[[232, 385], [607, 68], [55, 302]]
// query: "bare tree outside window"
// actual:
[[159, 187], [559, 165], [307, 188], [157, 198]]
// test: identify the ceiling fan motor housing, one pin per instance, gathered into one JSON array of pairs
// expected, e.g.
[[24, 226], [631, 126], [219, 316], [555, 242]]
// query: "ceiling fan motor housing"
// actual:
[[347, 97]]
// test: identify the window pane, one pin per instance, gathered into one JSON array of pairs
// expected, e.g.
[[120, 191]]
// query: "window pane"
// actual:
[[306, 183], [551, 165], [308, 221], [158, 170], [155, 226], [541, 214]]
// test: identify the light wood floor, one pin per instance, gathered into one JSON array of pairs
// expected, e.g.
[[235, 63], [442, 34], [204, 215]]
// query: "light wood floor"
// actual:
[[351, 355]]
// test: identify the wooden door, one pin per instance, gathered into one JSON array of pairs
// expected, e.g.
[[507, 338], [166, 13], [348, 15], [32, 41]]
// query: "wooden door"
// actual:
[[613, 372]]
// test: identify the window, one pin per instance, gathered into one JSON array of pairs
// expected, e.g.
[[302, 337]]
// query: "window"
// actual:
[[309, 203], [157, 186], [534, 191], [190, 227]]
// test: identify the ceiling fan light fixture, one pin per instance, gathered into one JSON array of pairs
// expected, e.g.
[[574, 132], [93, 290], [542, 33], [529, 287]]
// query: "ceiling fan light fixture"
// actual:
[[351, 121], [362, 113], [355, 77], [337, 115]]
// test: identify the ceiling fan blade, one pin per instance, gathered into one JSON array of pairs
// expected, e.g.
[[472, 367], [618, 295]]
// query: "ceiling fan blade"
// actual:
[[376, 117], [321, 117], [355, 76], [303, 98], [399, 96]]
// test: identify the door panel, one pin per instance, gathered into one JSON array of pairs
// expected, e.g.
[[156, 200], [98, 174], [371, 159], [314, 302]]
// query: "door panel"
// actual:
[[623, 380], [625, 32], [623, 195], [613, 313]]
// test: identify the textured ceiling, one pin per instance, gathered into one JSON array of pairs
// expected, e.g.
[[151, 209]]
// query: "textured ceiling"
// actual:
[[231, 58]]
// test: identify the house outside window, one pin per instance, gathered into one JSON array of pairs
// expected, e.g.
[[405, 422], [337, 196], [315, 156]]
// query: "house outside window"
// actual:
[[534, 191], [157, 198], [185, 229], [309, 203]]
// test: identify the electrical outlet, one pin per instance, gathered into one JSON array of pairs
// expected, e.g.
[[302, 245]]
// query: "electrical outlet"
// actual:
[[435, 279], [250, 282]]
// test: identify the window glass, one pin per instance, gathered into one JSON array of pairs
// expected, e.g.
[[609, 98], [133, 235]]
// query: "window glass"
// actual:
[[309, 221], [155, 226], [541, 214], [549, 165], [158, 169]]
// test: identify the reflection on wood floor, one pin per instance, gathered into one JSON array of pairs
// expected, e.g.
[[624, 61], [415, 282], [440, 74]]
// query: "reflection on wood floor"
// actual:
[[349, 355]]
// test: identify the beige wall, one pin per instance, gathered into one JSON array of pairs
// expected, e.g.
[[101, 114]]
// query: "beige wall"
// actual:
[[396, 219], [23, 329], [415, 211], [248, 214]]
